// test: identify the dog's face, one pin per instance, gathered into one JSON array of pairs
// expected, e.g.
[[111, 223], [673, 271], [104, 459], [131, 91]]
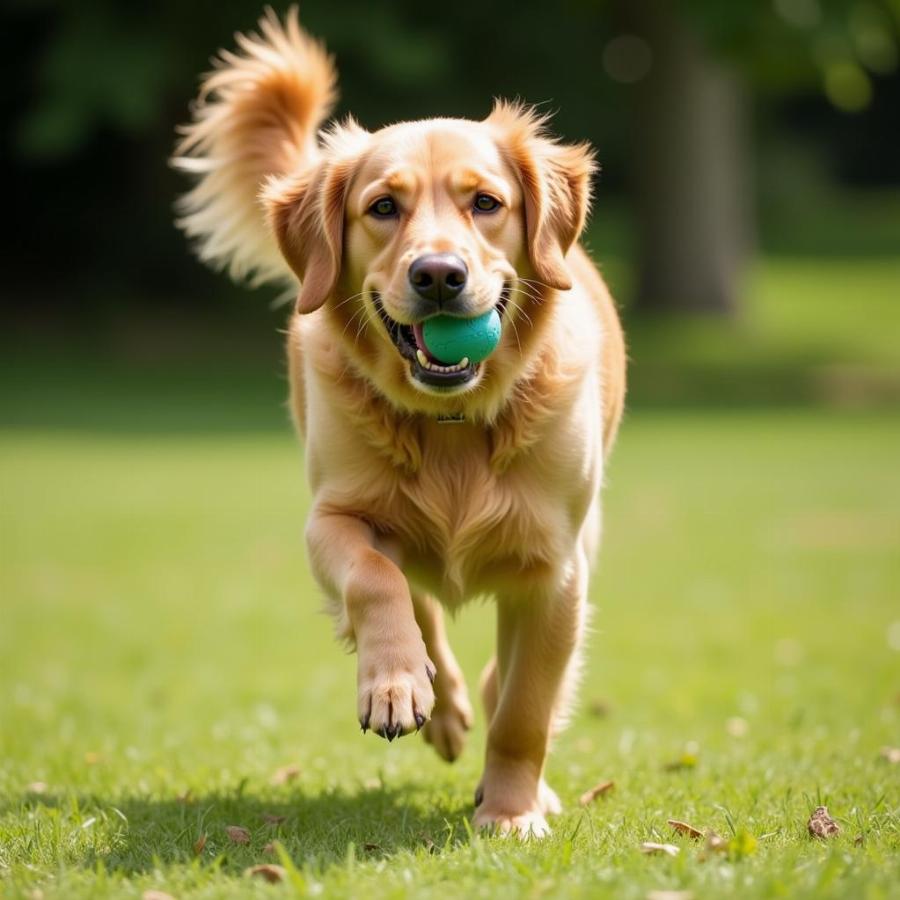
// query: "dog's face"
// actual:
[[442, 217]]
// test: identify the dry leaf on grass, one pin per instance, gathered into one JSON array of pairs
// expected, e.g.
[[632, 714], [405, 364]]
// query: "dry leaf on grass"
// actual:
[[199, 844], [36, 787], [891, 754], [684, 828], [286, 774], [370, 848], [270, 848], [821, 825], [598, 790], [651, 847], [670, 895], [268, 871], [156, 895], [716, 843], [273, 818], [237, 834]]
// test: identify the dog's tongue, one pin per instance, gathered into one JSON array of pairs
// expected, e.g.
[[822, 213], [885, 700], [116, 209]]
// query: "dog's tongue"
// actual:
[[419, 333]]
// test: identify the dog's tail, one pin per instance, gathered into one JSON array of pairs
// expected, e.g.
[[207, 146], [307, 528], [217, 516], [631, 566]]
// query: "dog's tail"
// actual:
[[257, 115]]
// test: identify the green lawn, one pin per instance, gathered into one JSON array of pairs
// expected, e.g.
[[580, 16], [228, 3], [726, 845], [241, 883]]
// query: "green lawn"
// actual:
[[162, 656]]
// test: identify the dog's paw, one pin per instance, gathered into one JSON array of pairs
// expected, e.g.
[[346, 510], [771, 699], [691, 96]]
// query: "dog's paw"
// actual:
[[526, 825], [548, 800], [394, 689], [451, 719]]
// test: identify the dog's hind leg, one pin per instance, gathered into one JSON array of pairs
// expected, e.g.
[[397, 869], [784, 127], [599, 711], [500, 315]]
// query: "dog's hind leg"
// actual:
[[538, 635], [451, 717]]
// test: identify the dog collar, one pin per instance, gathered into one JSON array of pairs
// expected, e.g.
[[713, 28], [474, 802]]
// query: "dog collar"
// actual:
[[448, 419]]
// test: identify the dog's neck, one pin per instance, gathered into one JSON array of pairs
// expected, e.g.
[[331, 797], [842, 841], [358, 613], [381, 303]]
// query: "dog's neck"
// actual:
[[525, 417]]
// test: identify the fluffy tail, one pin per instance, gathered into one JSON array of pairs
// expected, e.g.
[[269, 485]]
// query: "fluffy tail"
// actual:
[[257, 115]]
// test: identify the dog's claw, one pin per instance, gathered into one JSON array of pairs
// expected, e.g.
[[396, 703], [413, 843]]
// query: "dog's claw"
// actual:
[[431, 673], [479, 795], [420, 720], [364, 723]]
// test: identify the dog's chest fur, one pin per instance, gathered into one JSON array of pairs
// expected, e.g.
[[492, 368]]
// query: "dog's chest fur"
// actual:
[[466, 526], [466, 508]]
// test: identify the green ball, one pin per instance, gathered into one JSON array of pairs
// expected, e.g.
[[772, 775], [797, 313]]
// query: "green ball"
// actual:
[[450, 339]]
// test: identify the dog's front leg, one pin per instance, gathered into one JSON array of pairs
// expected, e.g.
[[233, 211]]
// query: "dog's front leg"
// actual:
[[375, 611], [537, 644]]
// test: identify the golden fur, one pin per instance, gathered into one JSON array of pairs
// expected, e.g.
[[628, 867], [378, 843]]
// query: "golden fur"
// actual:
[[412, 514]]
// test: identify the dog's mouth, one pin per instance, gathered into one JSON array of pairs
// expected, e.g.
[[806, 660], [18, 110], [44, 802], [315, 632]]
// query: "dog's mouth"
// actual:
[[424, 366]]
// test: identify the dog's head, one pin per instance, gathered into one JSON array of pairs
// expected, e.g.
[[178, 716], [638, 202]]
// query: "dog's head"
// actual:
[[440, 217]]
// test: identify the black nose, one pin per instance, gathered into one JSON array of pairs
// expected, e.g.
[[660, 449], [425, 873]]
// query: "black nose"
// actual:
[[438, 276]]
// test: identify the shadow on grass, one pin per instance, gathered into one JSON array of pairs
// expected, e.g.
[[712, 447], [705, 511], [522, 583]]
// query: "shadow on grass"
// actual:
[[316, 829]]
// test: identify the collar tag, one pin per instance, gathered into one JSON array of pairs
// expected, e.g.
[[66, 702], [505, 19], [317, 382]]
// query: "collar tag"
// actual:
[[446, 419]]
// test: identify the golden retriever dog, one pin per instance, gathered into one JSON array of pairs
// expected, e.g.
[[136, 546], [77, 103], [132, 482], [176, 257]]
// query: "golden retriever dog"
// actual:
[[432, 484]]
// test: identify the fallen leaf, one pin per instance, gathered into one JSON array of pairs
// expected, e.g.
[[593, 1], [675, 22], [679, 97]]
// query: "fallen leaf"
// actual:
[[268, 871], [199, 844], [650, 847], [270, 848], [715, 843], [273, 819], [858, 841], [237, 834], [598, 790], [821, 825], [684, 828], [286, 774], [670, 895], [156, 895], [891, 754], [36, 787], [371, 847]]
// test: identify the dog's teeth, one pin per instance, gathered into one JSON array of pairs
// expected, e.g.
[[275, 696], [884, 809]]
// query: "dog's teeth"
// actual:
[[422, 358], [464, 362]]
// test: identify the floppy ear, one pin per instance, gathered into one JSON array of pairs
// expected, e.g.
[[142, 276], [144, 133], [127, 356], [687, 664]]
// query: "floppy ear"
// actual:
[[306, 214], [556, 183]]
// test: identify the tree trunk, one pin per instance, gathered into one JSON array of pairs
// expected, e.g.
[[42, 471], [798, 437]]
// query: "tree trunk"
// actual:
[[691, 171]]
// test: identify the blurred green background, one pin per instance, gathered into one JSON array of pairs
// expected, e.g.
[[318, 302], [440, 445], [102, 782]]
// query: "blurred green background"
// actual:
[[161, 650], [745, 148]]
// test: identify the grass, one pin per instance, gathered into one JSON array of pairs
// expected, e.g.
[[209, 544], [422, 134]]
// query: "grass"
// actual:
[[162, 656]]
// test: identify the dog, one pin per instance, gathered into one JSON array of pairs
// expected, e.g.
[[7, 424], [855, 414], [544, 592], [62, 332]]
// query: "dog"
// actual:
[[432, 484]]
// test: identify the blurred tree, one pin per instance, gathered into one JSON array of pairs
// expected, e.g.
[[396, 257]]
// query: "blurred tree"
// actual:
[[99, 87], [692, 63]]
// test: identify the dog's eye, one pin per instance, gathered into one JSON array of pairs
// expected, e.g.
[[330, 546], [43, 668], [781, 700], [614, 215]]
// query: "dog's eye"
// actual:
[[485, 203], [383, 208]]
